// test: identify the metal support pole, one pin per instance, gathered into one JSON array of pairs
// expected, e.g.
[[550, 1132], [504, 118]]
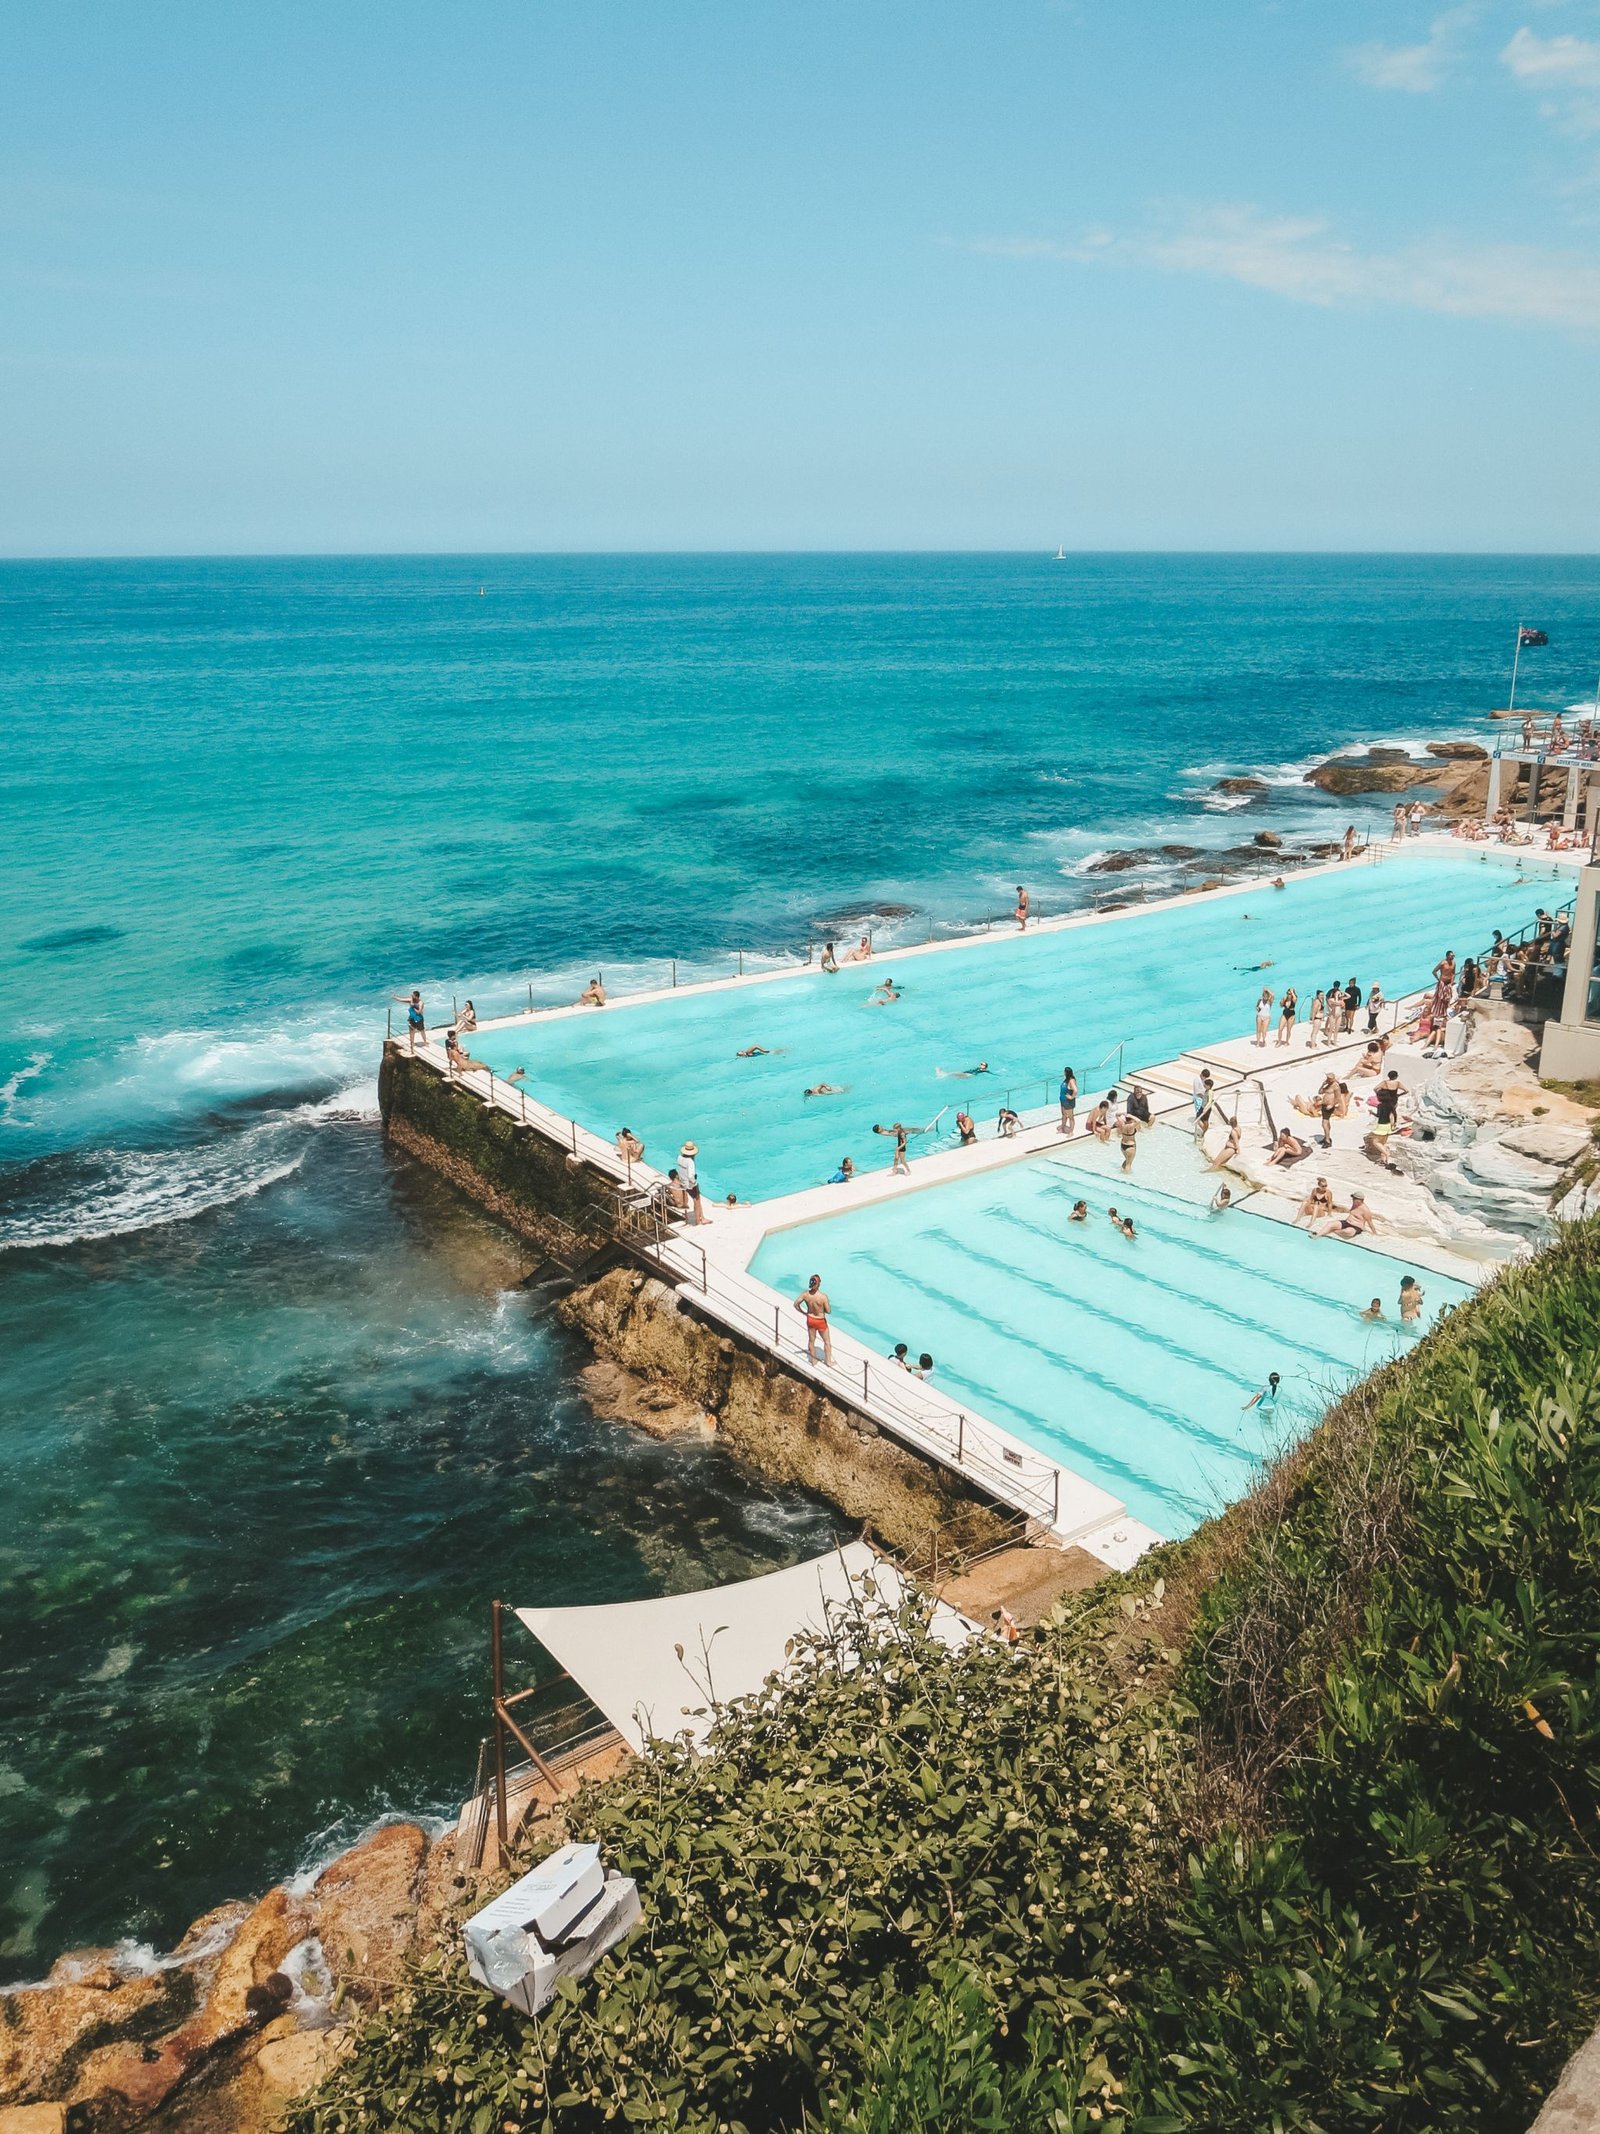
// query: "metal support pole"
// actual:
[[961, 1440], [498, 1678], [864, 1391], [388, 1024], [1055, 1514], [523, 1098], [740, 953], [574, 1125], [530, 996], [674, 971]]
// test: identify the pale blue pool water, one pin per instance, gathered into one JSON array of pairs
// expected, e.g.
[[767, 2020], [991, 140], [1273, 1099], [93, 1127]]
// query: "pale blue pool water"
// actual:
[[1161, 979], [1129, 1362]]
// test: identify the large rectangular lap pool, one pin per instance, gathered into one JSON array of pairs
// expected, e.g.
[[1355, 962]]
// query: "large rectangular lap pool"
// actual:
[[1161, 979], [1127, 1361]]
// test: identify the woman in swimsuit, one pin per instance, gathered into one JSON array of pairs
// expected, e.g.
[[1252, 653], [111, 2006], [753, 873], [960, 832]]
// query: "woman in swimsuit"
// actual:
[[1314, 1023], [1317, 1203], [1263, 1016], [468, 1019], [1069, 1101], [1007, 1122], [1375, 1002], [830, 961], [966, 1129], [1444, 989], [1288, 1008]]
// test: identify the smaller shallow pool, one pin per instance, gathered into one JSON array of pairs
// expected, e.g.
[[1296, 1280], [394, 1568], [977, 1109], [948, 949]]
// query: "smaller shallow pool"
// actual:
[[1128, 1361]]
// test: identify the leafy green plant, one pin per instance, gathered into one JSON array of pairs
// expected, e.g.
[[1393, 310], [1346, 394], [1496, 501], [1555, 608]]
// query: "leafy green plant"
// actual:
[[1296, 1827]]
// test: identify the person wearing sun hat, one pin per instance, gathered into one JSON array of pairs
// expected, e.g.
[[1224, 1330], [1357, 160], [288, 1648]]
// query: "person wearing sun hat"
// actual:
[[688, 1171]]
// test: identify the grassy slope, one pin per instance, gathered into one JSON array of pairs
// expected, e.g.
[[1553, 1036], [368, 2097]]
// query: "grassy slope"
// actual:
[[1296, 1827]]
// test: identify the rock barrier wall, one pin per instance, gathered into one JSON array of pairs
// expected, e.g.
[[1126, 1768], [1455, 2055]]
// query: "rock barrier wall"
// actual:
[[778, 1421], [772, 1418]]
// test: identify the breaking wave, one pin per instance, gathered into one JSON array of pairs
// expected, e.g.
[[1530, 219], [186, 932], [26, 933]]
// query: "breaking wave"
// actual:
[[114, 1192]]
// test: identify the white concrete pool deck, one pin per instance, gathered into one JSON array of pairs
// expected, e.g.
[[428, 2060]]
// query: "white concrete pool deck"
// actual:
[[711, 1261]]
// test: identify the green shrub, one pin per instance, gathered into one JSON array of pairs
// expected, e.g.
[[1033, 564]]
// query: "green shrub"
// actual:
[[1323, 1855]]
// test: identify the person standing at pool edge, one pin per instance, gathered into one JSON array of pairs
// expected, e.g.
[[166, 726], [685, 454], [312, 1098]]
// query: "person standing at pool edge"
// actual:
[[1022, 909], [1069, 1102], [689, 1172], [813, 1301]]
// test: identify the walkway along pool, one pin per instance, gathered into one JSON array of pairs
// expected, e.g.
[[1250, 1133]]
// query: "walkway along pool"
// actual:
[[1151, 981]]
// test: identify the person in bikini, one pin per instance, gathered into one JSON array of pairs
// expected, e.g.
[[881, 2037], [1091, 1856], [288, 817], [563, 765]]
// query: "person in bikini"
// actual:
[[1007, 1122], [966, 1127], [467, 1020], [1317, 1203], [1080, 1212], [1229, 1149], [813, 1301]]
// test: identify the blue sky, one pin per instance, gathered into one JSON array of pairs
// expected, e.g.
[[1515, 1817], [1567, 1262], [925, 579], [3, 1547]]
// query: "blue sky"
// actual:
[[799, 273]]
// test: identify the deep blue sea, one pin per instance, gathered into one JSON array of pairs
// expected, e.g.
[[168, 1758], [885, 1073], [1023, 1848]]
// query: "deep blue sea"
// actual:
[[276, 1421]]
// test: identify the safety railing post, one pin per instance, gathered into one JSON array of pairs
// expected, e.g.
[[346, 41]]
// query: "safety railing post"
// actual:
[[1055, 1509], [530, 996], [523, 1095], [388, 1024], [961, 1440], [864, 1389], [674, 972], [574, 1125]]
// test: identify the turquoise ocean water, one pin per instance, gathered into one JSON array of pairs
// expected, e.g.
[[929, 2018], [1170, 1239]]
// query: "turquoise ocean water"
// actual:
[[277, 1421]]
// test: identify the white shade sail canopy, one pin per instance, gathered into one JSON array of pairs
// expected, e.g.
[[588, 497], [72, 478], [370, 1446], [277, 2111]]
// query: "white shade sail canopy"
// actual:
[[625, 1656]]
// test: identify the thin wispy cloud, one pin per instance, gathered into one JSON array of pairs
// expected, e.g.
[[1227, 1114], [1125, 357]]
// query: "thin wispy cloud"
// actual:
[[1302, 259], [1564, 71], [1417, 69]]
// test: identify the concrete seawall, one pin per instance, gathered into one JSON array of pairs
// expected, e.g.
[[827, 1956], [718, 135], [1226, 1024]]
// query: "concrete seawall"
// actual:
[[772, 1418]]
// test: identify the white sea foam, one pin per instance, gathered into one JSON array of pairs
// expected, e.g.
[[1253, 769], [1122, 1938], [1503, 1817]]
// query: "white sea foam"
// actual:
[[140, 1190], [11, 1089]]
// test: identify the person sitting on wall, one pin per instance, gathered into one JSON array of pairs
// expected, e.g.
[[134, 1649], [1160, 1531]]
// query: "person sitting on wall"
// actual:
[[593, 995], [467, 1020], [629, 1147], [461, 1061]]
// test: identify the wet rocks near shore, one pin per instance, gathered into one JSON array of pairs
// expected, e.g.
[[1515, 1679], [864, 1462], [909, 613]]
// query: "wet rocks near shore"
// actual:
[[1240, 785], [1380, 770], [251, 2009]]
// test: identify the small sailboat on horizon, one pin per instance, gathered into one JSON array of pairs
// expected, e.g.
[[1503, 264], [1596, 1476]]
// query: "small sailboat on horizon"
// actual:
[[1060, 555]]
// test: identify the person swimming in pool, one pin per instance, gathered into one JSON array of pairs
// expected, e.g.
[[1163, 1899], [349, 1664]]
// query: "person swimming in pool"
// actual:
[[826, 1089], [1080, 1212], [1410, 1300], [1266, 1396], [1221, 1200], [844, 1174], [1374, 1310], [887, 992], [755, 1052], [961, 1074]]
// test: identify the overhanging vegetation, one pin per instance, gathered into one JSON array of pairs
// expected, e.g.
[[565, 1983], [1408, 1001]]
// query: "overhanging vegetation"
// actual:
[[1296, 1827]]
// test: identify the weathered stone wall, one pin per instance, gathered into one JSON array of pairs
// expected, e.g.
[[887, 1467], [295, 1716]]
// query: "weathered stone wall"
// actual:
[[510, 1169], [773, 1419], [777, 1421]]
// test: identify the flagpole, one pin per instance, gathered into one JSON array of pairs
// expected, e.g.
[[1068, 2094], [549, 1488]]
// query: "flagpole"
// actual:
[[1514, 659]]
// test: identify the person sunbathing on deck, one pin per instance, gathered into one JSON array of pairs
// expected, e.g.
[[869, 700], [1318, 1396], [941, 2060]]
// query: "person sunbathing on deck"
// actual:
[[1317, 1203], [1347, 1222], [1229, 1149], [461, 1061], [1286, 1149], [1371, 1061]]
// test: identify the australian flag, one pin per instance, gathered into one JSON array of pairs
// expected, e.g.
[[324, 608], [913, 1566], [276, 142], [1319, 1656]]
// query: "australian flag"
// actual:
[[1532, 637]]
